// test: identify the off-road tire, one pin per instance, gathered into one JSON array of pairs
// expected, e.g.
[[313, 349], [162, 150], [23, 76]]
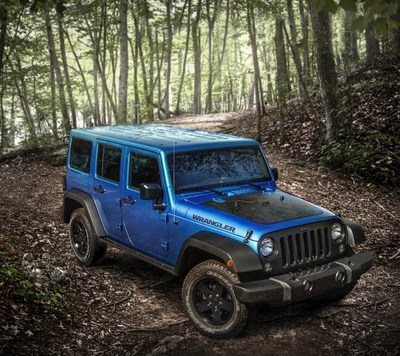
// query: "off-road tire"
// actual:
[[334, 295], [207, 292], [85, 244]]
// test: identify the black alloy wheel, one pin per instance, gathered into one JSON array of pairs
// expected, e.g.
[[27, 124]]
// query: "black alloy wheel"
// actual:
[[213, 301], [86, 245], [210, 301], [80, 240]]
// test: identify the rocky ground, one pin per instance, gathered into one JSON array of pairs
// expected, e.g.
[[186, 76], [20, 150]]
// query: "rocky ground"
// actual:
[[126, 307]]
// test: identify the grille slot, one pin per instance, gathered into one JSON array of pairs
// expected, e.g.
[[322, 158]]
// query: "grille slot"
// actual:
[[306, 247]]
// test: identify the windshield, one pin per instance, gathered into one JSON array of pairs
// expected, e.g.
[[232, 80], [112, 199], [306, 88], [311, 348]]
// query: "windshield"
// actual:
[[194, 170]]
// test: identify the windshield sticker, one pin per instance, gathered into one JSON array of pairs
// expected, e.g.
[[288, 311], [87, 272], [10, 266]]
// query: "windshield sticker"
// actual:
[[219, 200], [240, 191], [214, 223]]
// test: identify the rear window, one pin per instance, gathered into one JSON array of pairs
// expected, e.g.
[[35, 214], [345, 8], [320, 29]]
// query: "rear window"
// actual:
[[80, 154], [108, 162]]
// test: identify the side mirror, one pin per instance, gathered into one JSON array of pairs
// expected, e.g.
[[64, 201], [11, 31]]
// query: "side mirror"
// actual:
[[275, 173], [152, 191]]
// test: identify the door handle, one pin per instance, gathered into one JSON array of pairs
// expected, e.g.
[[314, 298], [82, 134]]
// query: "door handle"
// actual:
[[99, 189], [128, 200]]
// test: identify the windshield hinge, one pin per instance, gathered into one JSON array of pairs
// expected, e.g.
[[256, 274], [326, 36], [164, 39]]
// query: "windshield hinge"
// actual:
[[248, 234]]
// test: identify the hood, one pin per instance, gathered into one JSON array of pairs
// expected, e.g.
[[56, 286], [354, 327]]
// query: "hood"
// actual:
[[267, 207], [270, 206]]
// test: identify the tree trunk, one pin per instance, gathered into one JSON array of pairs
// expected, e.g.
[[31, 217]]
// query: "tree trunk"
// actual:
[[235, 65], [135, 56], [11, 136], [220, 58], [55, 65], [282, 78], [395, 36], [372, 44], [321, 24], [66, 71], [149, 110], [3, 40], [158, 60], [350, 38], [211, 22], [257, 78], [306, 53], [169, 55], [105, 119], [96, 111], [2, 117], [123, 68], [197, 61], [178, 98], [250, 102], [295, 51], [151, 58], [53, 102], [81, 73]]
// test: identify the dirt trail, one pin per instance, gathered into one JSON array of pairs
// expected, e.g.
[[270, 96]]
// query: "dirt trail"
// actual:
[[126, 307]]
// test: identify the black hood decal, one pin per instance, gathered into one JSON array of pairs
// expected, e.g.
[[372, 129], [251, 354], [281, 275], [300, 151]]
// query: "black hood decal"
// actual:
[[265, 207]]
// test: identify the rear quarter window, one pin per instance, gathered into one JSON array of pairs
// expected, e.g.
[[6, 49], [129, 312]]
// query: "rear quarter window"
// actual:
[[80, 154]]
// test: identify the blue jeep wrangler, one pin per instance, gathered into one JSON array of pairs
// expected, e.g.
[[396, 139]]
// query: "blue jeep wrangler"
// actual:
[[205, 206]]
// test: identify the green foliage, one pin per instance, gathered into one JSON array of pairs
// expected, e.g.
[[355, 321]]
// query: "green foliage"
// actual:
[[368, 155], [348, 5], [21, 288], [46, 140]]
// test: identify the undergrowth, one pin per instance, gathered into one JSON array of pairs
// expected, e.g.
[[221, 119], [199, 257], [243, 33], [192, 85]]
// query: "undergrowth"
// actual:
[[20, 289]]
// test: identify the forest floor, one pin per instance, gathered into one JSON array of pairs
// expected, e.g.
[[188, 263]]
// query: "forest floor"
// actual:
[[127, 307]]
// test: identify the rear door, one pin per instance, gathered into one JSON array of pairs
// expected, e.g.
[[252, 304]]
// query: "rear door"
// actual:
[[107, 186], [144, 228]]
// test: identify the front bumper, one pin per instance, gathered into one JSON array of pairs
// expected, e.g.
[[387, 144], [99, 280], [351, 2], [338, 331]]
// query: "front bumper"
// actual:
[[293, 287]]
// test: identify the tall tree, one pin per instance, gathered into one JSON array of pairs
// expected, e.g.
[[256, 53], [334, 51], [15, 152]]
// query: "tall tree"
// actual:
[[66, 71], [304, 42], [295, 51], [196, 38], [211, 18], [396, 34], [149, 31], [54, 64], [95, 57], [168, 59], [282, 75], [321, 25], [123, 67], [178, 98], [257, 77], [372, 43], [350, 38]]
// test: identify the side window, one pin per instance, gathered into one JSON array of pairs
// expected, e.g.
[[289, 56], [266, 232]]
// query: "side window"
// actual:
[[80, 155], [108, 162], [143, 169]]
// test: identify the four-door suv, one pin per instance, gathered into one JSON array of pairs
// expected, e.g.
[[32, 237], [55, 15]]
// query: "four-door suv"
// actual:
[[205, 206]]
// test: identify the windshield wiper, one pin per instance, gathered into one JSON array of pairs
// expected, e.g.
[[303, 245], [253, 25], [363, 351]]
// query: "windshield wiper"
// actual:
[[202, 188]]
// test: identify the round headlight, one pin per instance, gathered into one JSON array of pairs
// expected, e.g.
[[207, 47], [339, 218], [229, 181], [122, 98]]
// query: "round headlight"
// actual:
[[337, 232], [266, 247]]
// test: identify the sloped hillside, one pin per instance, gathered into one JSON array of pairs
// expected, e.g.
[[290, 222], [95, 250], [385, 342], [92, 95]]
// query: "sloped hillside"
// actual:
[[368, 146]]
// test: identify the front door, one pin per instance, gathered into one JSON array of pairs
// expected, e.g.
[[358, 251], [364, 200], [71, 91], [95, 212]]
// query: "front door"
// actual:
[[144, 228]]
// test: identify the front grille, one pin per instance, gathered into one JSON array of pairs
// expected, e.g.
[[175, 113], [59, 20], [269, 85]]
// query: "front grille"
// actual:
[[305, 247]]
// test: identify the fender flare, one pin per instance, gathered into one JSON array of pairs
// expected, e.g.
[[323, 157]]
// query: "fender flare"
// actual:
[[355, 232], [73, 199], [245, 260]]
